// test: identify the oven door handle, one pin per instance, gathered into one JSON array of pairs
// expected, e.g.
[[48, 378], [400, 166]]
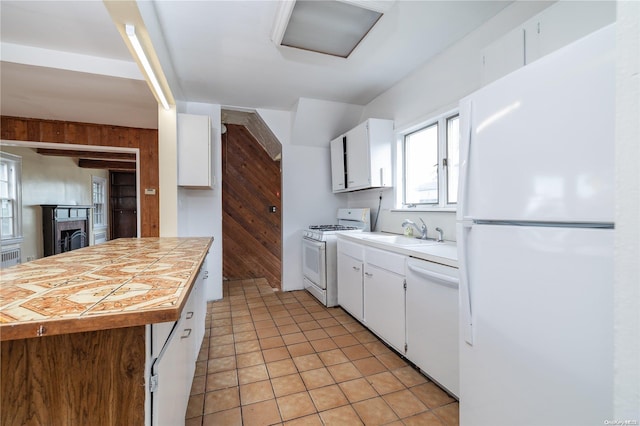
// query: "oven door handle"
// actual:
[[314, 243]]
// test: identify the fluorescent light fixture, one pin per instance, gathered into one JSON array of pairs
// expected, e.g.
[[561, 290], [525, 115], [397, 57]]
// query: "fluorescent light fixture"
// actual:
[[329, 27], [142, 57]]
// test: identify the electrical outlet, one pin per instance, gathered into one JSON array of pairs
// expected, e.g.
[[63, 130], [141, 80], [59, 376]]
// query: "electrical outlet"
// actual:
[[272, 209]]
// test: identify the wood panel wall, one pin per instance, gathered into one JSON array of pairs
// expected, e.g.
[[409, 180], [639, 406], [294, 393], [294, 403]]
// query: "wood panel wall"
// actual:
[[146, 140], [252, 236], [92, 378]]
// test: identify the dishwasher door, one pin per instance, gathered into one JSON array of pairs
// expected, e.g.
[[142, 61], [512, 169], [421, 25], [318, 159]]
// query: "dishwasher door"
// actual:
[[432, 321]]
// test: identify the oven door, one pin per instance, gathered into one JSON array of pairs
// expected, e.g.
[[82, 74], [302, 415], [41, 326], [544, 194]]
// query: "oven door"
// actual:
[[314, 262]]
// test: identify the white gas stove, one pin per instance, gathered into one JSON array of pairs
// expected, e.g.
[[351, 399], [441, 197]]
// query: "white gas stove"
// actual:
[[319, 254]]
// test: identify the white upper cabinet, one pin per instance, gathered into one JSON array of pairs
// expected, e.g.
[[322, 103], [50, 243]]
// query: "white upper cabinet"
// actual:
[[564, 23], [358, 160], [368, 156], [338, 177], [551, 29], [503, 56], [195, 160]]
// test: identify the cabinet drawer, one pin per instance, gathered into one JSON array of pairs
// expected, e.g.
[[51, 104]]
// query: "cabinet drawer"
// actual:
[[351, 249], [386, 260]]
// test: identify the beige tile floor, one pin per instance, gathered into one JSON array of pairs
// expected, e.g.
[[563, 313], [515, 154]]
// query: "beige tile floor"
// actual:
[[281, 358]]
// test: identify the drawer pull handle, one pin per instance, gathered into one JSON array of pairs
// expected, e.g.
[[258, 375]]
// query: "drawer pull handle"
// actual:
[[355, 268], [368, 274], [186, 333], [189, 315]]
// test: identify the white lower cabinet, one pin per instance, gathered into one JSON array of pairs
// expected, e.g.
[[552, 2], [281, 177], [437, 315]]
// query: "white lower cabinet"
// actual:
[[174, 352], [432, 321], [384, 296], [411, 304], [350, 268]]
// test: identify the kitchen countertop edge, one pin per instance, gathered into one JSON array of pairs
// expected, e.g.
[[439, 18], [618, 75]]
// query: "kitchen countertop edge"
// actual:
[[423, 253], [99, 322]]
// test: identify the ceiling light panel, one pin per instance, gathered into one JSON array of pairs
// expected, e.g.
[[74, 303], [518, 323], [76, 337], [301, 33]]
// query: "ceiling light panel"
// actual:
[[329, 27]]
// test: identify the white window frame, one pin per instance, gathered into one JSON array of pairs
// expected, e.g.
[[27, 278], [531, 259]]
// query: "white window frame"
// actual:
[[15, 162], [443, 203], [103, 183]]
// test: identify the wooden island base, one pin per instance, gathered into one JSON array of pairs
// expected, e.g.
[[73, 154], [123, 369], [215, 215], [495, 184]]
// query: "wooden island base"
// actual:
[[88, 378]]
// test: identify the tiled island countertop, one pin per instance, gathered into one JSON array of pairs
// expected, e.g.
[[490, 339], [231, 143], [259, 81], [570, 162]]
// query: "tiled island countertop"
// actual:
[[121, 283]]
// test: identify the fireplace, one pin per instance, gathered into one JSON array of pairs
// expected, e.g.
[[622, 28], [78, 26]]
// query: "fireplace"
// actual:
[[64, 228]]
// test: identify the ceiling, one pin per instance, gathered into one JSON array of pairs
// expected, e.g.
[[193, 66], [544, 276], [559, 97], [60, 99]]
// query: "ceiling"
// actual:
[[66, 60]]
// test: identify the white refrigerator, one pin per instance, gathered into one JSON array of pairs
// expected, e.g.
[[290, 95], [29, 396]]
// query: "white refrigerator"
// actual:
[[535, 242]]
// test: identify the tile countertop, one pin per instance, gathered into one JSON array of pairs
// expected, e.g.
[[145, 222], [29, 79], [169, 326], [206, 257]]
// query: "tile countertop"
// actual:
[[120, 283], [445, 253]]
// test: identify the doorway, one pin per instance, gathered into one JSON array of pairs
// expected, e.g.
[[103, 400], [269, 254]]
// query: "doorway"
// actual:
[[251, 222], [123, 204]]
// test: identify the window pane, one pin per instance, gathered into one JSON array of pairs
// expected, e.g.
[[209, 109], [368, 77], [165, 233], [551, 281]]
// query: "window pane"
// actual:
[[98, 201], [4, 189], [6, 228], [453, 158], [421, 166], [6, 208]]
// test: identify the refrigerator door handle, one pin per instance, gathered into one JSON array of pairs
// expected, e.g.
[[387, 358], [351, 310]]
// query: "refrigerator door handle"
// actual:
[[466, 319], [466, 129]]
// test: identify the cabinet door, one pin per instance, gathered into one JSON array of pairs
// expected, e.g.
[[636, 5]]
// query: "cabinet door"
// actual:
[[564, 23], [432, 321], [169, 401], [358, 159], [194, 151], [200, 308], [124, 224], [503, 56], [350, 285], [189, 332], [384, 305], [337, 164]]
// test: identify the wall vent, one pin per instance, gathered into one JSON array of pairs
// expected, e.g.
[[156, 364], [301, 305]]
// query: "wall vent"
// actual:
[[10, 257]]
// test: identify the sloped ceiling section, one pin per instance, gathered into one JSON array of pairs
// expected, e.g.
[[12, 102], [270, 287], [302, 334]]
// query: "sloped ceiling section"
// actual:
[[258, 129]]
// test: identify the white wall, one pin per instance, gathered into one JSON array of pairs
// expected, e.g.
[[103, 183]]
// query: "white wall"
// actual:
[[168, 171], [200, 210], [48, 180], [627, 267], [442, 82], [307, 198], [317, 122]]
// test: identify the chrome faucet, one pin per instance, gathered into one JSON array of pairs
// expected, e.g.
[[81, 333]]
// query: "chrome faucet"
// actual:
[[422, 229], [440, 235]]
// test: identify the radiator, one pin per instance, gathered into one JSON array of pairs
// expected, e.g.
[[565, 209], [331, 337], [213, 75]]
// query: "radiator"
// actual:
[[10, 257]]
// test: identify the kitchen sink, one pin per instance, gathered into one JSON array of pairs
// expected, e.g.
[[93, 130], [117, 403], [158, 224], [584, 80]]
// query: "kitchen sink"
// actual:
[[446, 250]]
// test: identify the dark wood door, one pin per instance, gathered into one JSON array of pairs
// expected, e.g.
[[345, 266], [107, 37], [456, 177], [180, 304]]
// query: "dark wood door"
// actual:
[[251, 223], [123, 204]]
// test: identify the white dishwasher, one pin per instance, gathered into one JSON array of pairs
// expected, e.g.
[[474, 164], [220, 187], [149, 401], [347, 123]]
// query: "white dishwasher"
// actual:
[[432, 321]]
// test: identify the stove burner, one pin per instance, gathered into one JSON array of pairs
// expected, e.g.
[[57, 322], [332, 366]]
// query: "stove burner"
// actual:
[[332, 227]]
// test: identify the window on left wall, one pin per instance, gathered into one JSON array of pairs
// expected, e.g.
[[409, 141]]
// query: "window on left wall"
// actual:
[[100, 209], [10, 198], [99, 195]]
